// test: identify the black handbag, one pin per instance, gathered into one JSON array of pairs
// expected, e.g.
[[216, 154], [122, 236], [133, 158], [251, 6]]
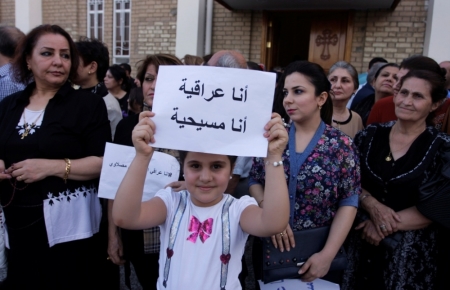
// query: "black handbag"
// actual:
[[279, 265]]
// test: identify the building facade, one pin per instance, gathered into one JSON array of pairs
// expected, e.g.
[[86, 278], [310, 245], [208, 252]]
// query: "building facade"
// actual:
[[134, 28]]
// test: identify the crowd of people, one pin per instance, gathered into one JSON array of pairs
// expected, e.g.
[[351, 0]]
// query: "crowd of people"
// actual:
[[370, 162]]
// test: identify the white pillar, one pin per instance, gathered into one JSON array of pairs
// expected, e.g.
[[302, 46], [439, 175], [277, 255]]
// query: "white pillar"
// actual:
[[28, 14], [208, 27], [437, 38], [190, 27]]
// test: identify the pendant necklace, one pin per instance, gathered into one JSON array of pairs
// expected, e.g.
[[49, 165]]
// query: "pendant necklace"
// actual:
[[389, 157], [27, 128]]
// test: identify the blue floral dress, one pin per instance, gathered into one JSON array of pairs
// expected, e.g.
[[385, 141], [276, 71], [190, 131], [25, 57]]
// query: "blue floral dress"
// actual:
[[329, 175]]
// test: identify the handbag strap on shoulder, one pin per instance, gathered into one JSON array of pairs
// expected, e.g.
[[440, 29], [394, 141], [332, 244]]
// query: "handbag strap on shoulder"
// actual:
[[225, 257], [174, 232]]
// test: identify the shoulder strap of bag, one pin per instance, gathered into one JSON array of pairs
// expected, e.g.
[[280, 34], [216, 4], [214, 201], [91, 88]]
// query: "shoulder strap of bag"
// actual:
[[225, 257], [173, 233]]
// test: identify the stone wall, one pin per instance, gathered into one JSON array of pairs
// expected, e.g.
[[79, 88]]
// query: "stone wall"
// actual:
[[7, 12], [153, 24], [237, 30], [153, 28], [393, 35], [65, 14]]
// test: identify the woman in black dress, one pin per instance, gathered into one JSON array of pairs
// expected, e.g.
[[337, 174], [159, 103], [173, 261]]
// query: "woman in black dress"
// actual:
[[395, 243], [52, 140]]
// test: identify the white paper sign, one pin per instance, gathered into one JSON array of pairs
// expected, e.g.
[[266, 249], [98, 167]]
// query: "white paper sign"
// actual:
[[163, 169], [213, 109], [297, 284]]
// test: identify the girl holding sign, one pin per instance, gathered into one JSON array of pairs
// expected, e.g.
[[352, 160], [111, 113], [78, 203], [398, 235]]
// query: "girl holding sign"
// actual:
[[203, 230]]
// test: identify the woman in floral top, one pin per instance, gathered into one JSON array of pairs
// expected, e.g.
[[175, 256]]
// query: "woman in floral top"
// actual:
[[321, 166]]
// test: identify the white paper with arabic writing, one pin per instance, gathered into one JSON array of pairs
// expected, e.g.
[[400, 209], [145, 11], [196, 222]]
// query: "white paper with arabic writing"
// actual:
[[163, 169], [297, 284], [213, 109]]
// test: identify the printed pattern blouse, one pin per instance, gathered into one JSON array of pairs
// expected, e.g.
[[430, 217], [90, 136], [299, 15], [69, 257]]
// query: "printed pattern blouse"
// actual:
[[329, 174]]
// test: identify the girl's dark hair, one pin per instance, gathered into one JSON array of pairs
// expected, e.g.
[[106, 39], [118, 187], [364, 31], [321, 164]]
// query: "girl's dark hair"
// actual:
[[94, 50], [383, 66], [136, 97], [316, 75], [156, 60], [119, 74], [183, 155], [25, 49], [438, 90]]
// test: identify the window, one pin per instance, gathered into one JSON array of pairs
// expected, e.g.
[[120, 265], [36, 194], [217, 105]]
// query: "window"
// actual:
[[95, 19], [121, 34]]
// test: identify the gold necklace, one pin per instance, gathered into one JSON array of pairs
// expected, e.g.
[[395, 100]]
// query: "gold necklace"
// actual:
[[389, 157], [27, 128]]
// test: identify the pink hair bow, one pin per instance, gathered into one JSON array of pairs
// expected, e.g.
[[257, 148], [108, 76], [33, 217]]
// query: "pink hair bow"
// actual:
[[198, 228]]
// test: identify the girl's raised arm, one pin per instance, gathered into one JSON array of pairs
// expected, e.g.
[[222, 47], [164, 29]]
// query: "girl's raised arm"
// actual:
[[274, 216], [128, 210]]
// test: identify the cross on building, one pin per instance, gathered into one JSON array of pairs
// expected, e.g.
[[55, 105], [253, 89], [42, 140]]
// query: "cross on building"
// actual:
[[326, 39]]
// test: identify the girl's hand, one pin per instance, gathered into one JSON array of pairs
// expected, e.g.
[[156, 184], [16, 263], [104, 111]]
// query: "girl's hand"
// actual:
[[32, 170], [143, 134], [277, 136], [3, 174], [285, 241], [315, 267], [369, 232]]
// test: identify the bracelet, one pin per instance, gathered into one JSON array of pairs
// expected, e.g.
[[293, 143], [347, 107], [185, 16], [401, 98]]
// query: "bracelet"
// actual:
[[364, 196], [276, 163], [259, 203], [66, 174]]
